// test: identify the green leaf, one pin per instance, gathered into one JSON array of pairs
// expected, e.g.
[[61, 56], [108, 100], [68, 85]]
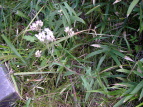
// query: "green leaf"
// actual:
[[136, 89], [70, 10], [119, 103], [12, 48], [93, 9], [66, 14], [100, 62], [8, 57], [115, 59], [76, 18], [32, 73], [132, 5], [97, 91], [116, 76], [95, 53], [124, 71], [141, 94], [21, 14], [30, 38], [122, 55], [116, 92], [138, 73], [140, 105], [69, 73], [118, 53]]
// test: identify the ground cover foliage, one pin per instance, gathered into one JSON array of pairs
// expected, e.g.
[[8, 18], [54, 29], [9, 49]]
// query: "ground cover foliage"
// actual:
[[97, 62]]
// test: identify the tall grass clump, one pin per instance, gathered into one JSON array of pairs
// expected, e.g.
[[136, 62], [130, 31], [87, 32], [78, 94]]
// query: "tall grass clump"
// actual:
[[73, 53]]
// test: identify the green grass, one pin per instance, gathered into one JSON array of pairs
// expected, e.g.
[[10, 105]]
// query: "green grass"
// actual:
[[99, 65]]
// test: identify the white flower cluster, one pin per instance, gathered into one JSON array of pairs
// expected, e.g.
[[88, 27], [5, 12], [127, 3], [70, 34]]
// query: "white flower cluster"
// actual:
[[36, 26], [46, 35], [69, 31]]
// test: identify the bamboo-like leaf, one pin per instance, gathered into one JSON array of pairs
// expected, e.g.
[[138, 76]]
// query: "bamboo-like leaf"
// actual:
[[124, 71], [76, 18], [132, 5], [100, 62], [138, 73], [136, 89], [118, 53], [122, 55], [66, 14], [70, 10], [95, 53], [115, 59], [117, 92]]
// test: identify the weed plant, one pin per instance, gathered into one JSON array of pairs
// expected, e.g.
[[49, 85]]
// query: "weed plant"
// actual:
[[73, 53]]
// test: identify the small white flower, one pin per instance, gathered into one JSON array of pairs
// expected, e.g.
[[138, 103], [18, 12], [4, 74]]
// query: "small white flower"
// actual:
[[46, 35], [33, 26], [40, 36], [38, 53], [69, 31], [36, 26], [49, 35], [39, 23]]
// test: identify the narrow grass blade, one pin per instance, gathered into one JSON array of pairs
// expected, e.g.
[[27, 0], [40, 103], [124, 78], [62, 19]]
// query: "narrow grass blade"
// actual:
[[13, 48], [101, 61], [15, 83], [140, 105], [69, 73], [93, 9], [119, 103], [8, 57], [141, 95], [141, 17], [132, 5], [32, 73]]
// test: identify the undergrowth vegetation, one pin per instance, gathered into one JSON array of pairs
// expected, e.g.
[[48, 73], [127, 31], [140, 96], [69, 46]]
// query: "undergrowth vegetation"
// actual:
[[74, 53]]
